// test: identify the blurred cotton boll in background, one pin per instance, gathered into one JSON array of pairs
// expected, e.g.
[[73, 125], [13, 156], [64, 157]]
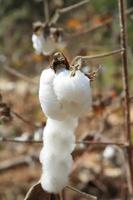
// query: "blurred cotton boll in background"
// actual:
[[41, 45]]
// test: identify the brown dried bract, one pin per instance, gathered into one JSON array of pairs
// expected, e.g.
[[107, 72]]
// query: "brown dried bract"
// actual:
[[59, 61]]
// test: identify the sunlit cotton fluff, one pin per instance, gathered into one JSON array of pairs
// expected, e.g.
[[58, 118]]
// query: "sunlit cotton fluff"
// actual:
[[55, 156], [48, 100], [73, 92], [54, 184], [63, 99], [67, 124], [53, 163], [58, 139], [41, 45]]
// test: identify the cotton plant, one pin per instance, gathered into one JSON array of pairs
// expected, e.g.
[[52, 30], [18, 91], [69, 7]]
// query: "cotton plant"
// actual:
[[46, 38], [64, 96]]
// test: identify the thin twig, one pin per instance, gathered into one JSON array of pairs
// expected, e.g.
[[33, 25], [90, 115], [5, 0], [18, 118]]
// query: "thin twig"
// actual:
[[119, 51], [123, 38], [46, 10], [16, 140], [23, 119], [86, 195], [13, 163], [18, 74], [88, 30], [94, 28], [65, 10]]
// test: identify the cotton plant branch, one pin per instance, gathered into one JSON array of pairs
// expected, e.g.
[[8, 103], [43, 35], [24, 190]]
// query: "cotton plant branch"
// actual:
[[46, 10], [19, 116], [98, 56], [18, 74], [88, 30], [59, 12], [16, 162], [6, 67], [96, 27], [7, 113], [123, 39], [93, 143]]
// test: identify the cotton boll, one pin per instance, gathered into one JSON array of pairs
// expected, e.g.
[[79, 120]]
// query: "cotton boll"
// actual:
[[72, 88], [73, 92], [85, 69], [62, 165], [63, 99], [41, 45], [47, 76], [49, 46], [109, 152], [49, 103], [37, 43], [67, 124], [58, 140], [55, 176], [53, 184]]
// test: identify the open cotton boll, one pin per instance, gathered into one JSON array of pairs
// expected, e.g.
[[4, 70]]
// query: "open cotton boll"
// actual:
[[49, 103], [73, 92], [72, 88], [47, 76], [58, 140], [37, 43], [53, 184], [49, 46], [67, 124], [59, 146], [41, 45], [62, 165]]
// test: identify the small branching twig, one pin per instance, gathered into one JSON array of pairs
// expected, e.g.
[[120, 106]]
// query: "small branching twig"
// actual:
[[93, 143], [23, 119], [59, 12], [119, 51], [89, 30], [16, 162], [95, 28], [18, 74]]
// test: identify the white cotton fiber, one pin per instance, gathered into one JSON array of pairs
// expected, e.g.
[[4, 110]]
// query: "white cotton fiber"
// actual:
[[56, 170], [67, 124], [49, 103], [37, 43], [58, 139], [41, 45], [53, 163], [73, 92], [53, 184], [63, 99]]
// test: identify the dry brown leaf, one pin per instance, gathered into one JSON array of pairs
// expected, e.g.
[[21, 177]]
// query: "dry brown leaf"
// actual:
[[37, 193]]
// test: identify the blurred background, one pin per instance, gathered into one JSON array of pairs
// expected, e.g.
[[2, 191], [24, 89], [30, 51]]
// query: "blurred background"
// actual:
[[90, 29]]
